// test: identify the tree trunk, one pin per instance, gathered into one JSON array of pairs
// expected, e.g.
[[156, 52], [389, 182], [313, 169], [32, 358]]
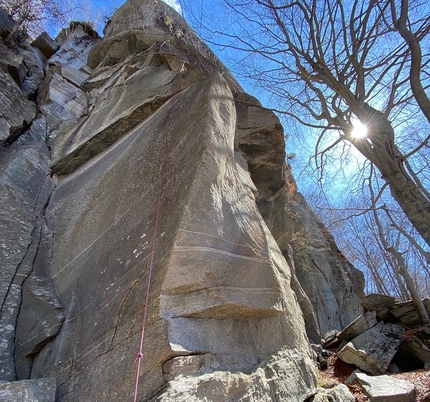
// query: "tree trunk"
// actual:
[[379, 148], [403, 270]]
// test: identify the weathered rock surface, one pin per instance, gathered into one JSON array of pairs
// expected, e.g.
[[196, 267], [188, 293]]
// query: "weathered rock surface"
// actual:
[[146, 159], [374, 349], [40, 390], [339, 393], [16, 112], [45, 44], [381, 304], [384, 388], [414, 352], [356, 328], [407, 314], [328, 280]]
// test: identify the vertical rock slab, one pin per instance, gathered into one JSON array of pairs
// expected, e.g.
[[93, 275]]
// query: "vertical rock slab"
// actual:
[[220, 289], [25, 186]]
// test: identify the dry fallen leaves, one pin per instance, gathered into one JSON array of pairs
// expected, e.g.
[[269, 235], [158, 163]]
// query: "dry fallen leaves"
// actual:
[[338, 371]]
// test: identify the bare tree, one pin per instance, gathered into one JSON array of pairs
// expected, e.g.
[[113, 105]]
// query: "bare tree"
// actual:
[[33, 16], [387, 250], [329, 63]]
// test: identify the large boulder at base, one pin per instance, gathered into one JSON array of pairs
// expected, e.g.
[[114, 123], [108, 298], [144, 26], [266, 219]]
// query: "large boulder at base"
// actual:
[[373, 350], [384, 388]]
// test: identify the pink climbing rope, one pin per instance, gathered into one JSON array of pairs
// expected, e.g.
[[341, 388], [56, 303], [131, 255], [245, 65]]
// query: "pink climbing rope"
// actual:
[[139, 356]]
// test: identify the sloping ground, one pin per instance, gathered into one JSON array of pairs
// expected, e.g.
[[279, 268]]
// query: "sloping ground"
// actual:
[[338, 371]]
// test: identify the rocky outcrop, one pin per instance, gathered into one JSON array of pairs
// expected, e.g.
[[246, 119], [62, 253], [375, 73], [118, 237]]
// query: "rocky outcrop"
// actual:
[[136, 162]]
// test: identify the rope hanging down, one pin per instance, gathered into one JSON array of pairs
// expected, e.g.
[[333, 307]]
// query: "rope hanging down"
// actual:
[[139, 356]]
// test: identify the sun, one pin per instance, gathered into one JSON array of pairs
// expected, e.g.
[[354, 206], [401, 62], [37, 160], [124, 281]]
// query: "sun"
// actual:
[[359, 130]]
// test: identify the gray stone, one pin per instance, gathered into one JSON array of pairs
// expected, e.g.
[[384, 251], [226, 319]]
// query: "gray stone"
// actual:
[[45, 44], [357, 327], [407, 314], [379, 303], [74, 49], [414, 352], [384, 388], [6, 23], [25, 186], [62, 103], [278, 377], [219, 289], [16, 112], [123, 105], [144, 128], [373, 350], [321, 270], [37, 390], [11, 62], [339, 393], [74, 76], [41, 313]]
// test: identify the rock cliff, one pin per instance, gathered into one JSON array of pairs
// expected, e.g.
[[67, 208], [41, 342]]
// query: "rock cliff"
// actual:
[[133, 162]]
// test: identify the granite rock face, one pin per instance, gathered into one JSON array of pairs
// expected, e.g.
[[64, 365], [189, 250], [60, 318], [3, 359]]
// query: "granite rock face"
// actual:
[[141, 159]]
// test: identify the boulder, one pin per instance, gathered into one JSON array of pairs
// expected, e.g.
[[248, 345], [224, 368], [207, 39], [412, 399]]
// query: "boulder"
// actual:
[[37, 390], [384, 388], [6, 23], [407, 314], [381, 304], [11, 62], [373, 350], [16, 111], [414, 352], [339, 393], [45, 44], [357, 327]]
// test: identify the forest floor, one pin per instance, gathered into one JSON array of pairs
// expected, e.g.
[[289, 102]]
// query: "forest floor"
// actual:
[[338, 371]]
